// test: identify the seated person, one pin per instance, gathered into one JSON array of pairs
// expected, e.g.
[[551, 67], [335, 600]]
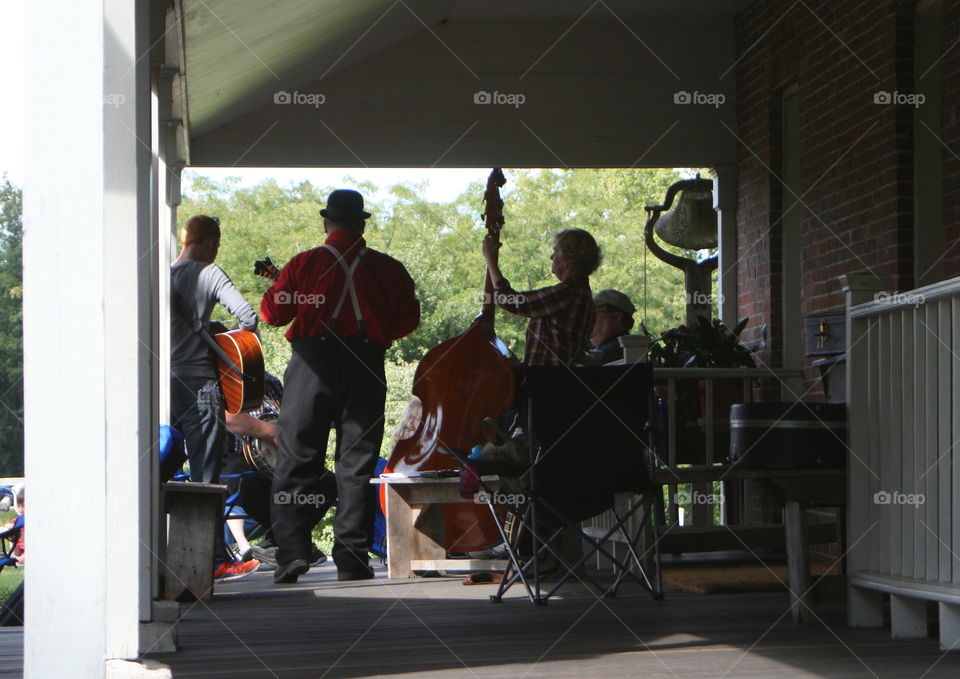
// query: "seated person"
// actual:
[[561, 318], [614, 319]]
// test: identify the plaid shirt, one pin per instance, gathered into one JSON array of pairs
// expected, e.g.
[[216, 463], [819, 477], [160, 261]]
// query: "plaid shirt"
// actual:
[[561, 318]]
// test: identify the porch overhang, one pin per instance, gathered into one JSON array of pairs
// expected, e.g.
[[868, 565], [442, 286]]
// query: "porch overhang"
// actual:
[[392, 84]]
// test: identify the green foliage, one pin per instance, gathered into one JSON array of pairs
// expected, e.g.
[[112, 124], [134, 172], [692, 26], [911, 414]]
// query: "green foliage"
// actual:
[[11, 330], [440, 245]]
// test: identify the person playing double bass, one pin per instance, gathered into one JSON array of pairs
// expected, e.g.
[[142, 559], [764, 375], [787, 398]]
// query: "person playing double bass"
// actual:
[[348, 303], [561, 316]]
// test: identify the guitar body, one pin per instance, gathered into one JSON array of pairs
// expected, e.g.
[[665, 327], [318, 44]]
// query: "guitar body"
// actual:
[[243, 348]]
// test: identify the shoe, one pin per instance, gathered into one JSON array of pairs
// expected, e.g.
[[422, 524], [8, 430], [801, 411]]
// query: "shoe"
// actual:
[[365, 573], [265, 555], [316, 557], [287, 573], [234, 570], [497, 551]]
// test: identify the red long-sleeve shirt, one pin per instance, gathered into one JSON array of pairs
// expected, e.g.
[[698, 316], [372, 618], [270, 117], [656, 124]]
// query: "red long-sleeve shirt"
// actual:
[[310, 286]]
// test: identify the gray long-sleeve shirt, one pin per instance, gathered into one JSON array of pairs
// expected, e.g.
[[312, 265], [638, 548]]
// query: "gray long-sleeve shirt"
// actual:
[[201, 285]]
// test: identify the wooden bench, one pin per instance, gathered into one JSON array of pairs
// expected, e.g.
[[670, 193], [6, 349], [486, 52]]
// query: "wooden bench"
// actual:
[[415, 526], [195, 514], [908, 606], [799, 488]]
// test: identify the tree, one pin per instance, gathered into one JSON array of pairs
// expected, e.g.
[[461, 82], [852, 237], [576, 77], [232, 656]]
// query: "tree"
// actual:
[[440, 245], [11, 330]]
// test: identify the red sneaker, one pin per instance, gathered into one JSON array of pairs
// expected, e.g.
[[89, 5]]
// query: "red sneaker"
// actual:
[[234, 570]]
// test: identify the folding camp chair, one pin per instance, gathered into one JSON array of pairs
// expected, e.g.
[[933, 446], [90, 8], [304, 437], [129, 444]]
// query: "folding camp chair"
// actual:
[[11, 612], [11, 535], [587, 443]]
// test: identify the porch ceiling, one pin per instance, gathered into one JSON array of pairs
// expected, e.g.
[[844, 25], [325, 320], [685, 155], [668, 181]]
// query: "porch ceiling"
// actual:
[[420, 61]]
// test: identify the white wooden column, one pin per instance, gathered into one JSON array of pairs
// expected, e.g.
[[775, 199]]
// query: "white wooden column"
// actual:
[[725, 203], [88, 346]]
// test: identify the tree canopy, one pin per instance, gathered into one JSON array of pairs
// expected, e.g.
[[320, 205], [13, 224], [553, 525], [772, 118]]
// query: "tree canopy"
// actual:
[[440, 245], [440, 242]]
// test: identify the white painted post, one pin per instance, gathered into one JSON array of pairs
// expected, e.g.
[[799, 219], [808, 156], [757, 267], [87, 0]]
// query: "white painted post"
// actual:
[[908, 617], [88, 355], [864, 607], [725, 203], [949, 626]]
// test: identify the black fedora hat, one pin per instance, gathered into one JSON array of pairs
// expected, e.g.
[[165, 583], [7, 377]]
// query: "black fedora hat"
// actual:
[[344, 205]]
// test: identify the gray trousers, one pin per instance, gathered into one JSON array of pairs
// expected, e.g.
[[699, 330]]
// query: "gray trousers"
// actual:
[[335, 383]]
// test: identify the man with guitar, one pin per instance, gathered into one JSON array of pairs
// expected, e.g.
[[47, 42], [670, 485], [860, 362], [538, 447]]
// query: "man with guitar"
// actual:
[[196, 403], [196, 285], [347, 304]]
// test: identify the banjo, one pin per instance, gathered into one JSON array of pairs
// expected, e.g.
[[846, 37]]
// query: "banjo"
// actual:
[[260, 454]]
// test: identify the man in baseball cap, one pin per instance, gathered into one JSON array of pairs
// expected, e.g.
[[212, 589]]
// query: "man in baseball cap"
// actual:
[[614, 318]]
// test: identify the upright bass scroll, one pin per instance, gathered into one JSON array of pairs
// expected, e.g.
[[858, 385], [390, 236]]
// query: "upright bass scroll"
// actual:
[[459, 382]]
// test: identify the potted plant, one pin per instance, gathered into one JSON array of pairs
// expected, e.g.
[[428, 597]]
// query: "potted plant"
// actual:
[[703, 344]]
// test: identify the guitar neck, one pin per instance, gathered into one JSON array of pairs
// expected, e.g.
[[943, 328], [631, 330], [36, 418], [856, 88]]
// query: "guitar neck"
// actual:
[[266, 268]]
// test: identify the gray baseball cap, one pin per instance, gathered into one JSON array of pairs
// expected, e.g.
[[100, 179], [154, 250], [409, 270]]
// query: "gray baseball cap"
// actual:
[[615, 299]]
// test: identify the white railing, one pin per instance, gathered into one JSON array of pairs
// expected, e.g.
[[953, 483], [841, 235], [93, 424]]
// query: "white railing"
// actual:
[[903, 393]]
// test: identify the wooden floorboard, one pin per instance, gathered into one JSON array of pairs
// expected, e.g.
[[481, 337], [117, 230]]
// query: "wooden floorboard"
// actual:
[[439, 628], [11, 652]]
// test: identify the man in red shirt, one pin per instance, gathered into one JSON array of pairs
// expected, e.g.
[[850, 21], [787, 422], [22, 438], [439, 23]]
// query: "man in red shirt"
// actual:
[[347, 304]]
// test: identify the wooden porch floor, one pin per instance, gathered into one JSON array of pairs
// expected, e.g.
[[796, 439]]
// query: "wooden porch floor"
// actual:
[[439, 628]]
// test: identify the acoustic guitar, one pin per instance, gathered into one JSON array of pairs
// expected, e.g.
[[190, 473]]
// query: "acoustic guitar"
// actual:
[[243, 392]]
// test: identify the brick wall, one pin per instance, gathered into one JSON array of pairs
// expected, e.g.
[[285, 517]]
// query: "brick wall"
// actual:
[[950, 118], [856, 156]]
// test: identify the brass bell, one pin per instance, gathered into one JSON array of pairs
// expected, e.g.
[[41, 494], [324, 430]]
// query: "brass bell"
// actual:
[[692, 224]]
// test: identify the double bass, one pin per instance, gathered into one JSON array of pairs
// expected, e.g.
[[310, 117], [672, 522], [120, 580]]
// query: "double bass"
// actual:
[[458, 383]]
